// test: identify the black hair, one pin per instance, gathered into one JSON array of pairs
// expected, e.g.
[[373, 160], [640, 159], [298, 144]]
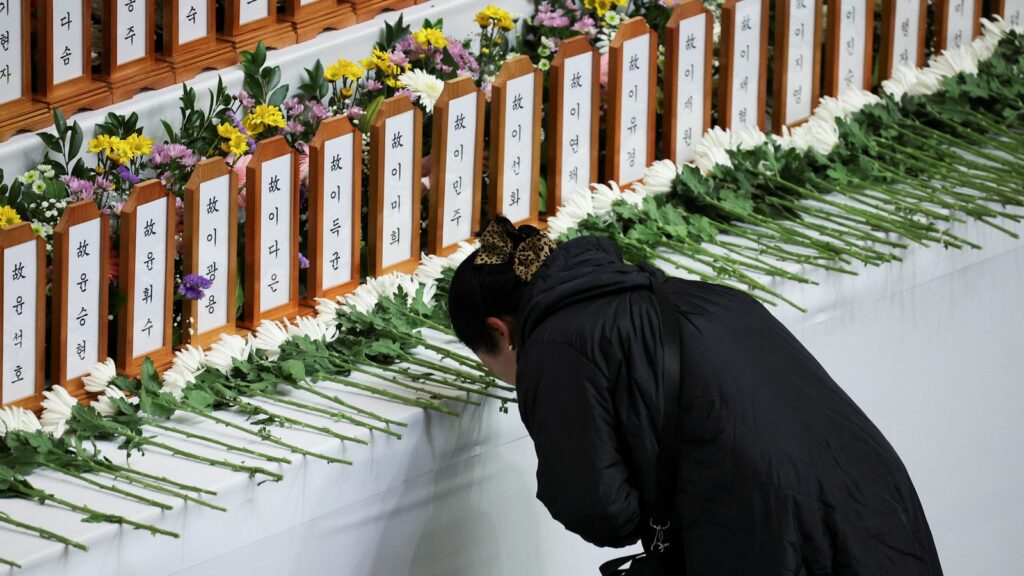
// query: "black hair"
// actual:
[[482, 291]]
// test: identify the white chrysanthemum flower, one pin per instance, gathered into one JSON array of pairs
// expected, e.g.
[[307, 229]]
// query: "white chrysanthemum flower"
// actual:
[[268, 337], [424, 85], [822, 136], [790, 138], [431, 269], [327, 310], [713, 150], [429, 292], [225, 351], [312, 328], [748, 138], [363, 299], [579, 206], [659, 177], [385, 286], [409, 285], [851, 101], [100, 375], [457, 257], [104, 404], [190, 359], [996, 27], [175, 381], [899, 83], [15, 419], [604, 195], [57, 410], [955, 61], [928, 82]]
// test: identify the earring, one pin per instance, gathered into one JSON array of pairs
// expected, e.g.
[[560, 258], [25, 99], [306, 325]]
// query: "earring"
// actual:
[[511, 348]]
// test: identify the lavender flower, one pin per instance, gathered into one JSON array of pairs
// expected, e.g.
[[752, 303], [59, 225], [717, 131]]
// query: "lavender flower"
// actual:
[[551, 17], [468, 66], [585, 25], [127, 175], [355, 113], [303, 261], [398, 58], [194, 285], [318, 111], [245, 99], [373, 85], [167, 153], [79, 189]]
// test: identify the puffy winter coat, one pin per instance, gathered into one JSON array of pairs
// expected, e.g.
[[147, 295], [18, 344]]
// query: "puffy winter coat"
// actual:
[[779, 472]]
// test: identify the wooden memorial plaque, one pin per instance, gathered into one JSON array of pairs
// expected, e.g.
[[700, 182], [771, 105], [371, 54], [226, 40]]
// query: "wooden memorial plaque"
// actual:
[[190, 43], [247, 22], [515, 142], [271, 233], [795, 84], [1012, 11], [457, 166], [210, 250], [903, 31], [744, 64], [572, 126], [78, 319], [18, 111], [146, 281], [369, 9], [688, 51], [63, 57], [311, 17], [128, 61], [848, 43], [23, 262], [335, 208], [633, 89], [957, 22], [393, 240]]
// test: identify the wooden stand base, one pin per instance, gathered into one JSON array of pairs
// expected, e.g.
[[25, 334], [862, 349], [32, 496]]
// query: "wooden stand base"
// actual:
[[29, 117], [206, 339], [308, 27], [186, 65], [279, 35], [161, 361], [369, 9], [124, 85], [93, 98]]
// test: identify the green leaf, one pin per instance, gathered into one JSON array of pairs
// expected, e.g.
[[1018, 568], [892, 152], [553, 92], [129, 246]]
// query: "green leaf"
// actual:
[[59, 121], [77, 138], [294, 370], [278, 96]]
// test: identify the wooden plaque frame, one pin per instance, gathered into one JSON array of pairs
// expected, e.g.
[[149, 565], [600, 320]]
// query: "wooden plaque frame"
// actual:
[[310, 20], [251, 315], [188, 59], [832, 47], [126, 80], [81, 93], [375, 235], [329, 130], [570, 48], [684, 11], [78, 213], [889, 29], [269, 29], [511, 70], [14, 236], [725, 71], [142, 194], [780, 81], [453, 89], [24, 113], [998, 7], [370, 9], [942, 8], [630, 29], [205, 171]]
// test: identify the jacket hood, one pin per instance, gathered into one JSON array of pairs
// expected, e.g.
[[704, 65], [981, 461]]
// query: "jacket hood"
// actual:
[[578, 270]]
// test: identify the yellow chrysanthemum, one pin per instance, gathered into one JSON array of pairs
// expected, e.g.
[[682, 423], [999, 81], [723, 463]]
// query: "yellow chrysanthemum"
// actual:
[[430, 37], [139, 144], [102, 143], [261, 117], [8, 216], [234, 141], [120, 151], [344, 69], [346, 92], [599, 6]]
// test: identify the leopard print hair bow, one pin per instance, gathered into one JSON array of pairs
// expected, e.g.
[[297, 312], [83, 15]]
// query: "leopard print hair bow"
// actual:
[[497, 248]]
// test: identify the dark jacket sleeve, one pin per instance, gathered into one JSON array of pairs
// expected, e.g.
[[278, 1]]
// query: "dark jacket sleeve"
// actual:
[[581, 476]]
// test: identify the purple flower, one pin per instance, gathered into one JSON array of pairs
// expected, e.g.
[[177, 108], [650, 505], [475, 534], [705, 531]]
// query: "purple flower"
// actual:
[[303, 261], [585, 25], [373, 85], [551, 17], [292, 106], [245, 99], [355, 113], [194, 285], [167, 153], [467, 64], [398, 58], [405, 92], [293, 127], [79, 189], [318, 111], [127, 175]]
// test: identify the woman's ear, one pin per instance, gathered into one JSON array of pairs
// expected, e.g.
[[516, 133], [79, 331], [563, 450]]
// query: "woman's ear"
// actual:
[[503, 331]]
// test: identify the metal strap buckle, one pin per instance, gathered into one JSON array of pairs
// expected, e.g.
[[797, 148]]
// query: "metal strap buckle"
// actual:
[[659, 543]]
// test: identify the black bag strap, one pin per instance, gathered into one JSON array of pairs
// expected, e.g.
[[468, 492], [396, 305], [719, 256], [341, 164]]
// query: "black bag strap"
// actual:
[[665, 480]]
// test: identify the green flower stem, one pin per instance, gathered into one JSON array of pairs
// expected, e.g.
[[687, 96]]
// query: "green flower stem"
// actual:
[[356, 409], [424, 377], [251, 470], [154, 487], [91, 514], [450, 371], [1013, 166], [43, 532], [296, 422], [155, 478], [263, 434], [855, 230], [226, 445], [10, 563], [400, 398], [336, 415], [109, 487], [437, 395], [951, 174], [755, 263], [773, 246], [864, 253]]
